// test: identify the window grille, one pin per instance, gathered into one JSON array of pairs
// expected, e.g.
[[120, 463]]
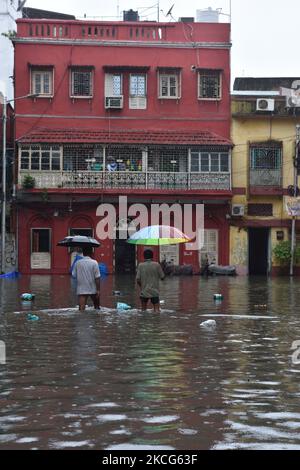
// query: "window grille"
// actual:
[[113, 84], [124, 158], [81, 83], [206, 162], [260, 210], [82, 158], [172, 160], [266, 158], [209, 82], [138, 85]]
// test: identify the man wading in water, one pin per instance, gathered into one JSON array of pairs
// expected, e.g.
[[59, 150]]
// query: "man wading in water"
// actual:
[[148, 276], [87, 274]]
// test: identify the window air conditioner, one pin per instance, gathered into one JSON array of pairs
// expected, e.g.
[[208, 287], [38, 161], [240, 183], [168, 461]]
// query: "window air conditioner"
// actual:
[[114, 102]]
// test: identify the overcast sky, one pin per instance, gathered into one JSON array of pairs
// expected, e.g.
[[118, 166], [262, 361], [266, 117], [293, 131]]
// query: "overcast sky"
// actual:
[[264, 32]]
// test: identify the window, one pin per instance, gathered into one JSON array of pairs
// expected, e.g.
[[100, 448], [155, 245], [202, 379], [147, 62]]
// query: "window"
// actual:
[[41, 158], [113, 84], [266, 158], [42, 82], [82, 158], [260, 210], [209, 252], [81, 83], [169, 85], [137, 91], [209, 85], [205, 162]]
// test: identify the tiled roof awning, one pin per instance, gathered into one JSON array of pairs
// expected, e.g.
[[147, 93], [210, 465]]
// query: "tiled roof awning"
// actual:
[[126, 136]]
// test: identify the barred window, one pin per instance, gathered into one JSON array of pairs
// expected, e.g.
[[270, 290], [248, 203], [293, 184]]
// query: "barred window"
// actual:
[[138, 85], [209, 162], [82, 83], [169, 85], [82, 158], [41, 158], [209, 84], [269, 158], [260, 210], [42, 82], [113, 84], [171, 160]]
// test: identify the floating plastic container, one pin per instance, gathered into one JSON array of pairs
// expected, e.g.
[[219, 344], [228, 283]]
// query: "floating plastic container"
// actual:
[[116, 292], [218, 297], [27, 297], [123, 306], [32, 317]]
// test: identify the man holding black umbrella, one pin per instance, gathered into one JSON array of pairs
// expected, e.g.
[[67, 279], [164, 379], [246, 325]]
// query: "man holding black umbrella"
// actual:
[[87, 273]]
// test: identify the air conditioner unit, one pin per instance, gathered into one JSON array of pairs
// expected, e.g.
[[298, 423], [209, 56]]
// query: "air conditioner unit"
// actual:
[[114, 102], [238, 210], [264, 104], [293, 101]]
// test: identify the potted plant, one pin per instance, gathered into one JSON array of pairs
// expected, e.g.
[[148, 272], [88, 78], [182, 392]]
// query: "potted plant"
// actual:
[[282, 253], [28, 182]]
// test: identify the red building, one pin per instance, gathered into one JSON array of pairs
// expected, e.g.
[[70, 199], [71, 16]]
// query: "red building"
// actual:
[[124, 108]]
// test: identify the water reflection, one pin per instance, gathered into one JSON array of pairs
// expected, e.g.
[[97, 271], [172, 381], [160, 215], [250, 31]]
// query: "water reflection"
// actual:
[[142, 380]]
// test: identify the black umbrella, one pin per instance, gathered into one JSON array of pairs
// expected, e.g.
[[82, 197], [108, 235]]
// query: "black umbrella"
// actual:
[[79, 240]]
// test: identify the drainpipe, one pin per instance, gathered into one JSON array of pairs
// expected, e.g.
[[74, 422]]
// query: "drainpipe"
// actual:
[[293, 241]]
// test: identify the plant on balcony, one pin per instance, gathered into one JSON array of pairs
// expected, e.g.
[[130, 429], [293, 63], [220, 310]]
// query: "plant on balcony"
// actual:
[[28, 182], [282, 252], [44, 195]]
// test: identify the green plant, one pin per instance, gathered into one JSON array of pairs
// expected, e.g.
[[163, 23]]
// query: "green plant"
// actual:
[[28, 182], [45, 196], [11, 34], [282, 252]]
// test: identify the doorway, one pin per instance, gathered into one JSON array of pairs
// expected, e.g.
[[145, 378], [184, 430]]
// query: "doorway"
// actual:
[[125, 257], [40, 248], [258, 251]]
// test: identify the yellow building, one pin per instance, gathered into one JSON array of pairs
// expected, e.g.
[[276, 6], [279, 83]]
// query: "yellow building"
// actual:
[[264, 119]]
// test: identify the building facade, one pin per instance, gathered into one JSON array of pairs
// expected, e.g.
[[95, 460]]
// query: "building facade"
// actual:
[[265, 114], [134, 109]]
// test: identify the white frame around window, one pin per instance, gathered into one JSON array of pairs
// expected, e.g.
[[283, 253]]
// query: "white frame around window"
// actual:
[[136, 100], [169, 75], [40, 149], [91, 81], [210, 154], [109, 90], [33, 85], [202, 73]]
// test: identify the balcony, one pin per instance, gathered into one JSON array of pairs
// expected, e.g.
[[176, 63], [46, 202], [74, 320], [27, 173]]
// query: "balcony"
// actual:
[[266, 182], [130, 180]]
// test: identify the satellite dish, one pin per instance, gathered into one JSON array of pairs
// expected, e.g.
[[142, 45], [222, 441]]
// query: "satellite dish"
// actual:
[[170, 10]]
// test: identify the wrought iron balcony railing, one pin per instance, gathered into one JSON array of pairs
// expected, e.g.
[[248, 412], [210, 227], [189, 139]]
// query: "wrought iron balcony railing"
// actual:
[[130, 180]]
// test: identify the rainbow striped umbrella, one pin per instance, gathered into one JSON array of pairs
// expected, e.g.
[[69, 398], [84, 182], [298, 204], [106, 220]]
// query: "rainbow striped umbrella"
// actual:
[[158, 235]]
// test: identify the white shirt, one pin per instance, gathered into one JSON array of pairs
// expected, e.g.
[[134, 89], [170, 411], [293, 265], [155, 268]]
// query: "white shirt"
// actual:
[[86, 271]]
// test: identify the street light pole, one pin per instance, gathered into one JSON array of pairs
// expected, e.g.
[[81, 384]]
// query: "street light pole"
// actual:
[[293, 240], [3, 218]]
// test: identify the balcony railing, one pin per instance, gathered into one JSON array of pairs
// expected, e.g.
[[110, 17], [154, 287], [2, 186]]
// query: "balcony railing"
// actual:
[[130, 180], [266, 177]]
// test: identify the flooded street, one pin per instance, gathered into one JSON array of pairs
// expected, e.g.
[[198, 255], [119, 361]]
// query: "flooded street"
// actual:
[[133, 380]]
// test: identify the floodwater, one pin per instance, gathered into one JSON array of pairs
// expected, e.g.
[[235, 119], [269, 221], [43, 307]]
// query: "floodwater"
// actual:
[[135, 380]]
